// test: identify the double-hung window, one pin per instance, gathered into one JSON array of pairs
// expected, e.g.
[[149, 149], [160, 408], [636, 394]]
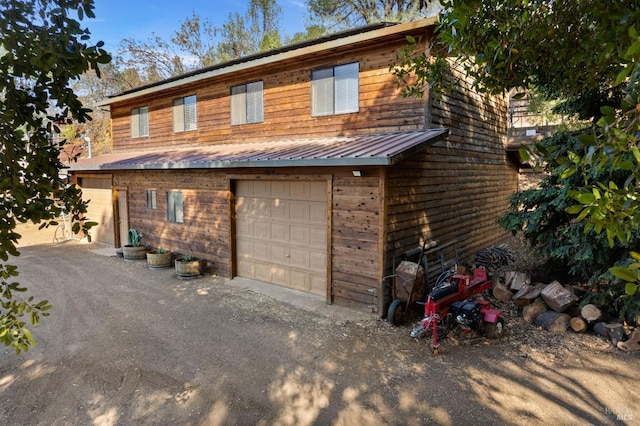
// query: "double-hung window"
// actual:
[[335, 90], [175, 207], [140, 122], [185, 115], [247, 103], [152, 199]]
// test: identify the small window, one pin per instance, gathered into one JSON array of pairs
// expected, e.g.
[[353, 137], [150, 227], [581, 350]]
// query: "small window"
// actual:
[[335, 90], [152, 199], [185, 115], [175, 207], [140, 122], [247, 103]]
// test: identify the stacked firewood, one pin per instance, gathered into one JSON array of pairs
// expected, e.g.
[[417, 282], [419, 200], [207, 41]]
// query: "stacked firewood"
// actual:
[[554, 307], [494, 258]]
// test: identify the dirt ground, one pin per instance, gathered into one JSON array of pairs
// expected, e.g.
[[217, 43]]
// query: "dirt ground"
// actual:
[[127, 345]]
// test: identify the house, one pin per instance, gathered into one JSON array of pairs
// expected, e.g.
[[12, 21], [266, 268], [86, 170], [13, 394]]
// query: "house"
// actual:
[[304, 166]]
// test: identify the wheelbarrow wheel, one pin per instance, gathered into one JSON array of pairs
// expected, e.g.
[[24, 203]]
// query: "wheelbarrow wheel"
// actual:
[[395, 314]]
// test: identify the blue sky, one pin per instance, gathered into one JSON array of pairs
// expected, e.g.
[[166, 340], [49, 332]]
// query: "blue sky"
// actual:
[[119, 19]]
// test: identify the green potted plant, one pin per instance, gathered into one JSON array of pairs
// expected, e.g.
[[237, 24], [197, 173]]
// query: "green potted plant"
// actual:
[[188, 266], [159, 258], [134, 250]]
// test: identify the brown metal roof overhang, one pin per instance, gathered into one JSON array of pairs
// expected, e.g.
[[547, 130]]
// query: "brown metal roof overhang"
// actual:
[[358, 150]]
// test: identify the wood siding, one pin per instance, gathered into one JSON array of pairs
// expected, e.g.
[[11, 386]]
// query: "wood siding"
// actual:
[[287, 104], [457, 188]]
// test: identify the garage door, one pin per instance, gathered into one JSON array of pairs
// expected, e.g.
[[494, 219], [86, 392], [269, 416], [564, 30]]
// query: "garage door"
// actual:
[[281, 233], [100, 209]]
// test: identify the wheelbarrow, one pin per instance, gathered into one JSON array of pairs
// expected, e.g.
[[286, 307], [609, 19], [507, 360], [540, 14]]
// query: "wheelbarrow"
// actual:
[[412, 280]]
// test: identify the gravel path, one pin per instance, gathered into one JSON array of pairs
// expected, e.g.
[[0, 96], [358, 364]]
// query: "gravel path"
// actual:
[[127, 345]]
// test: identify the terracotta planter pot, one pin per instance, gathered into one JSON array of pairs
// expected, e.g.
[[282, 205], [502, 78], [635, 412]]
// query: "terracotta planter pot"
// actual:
[[134, 252], [188, 268], [157, 260]]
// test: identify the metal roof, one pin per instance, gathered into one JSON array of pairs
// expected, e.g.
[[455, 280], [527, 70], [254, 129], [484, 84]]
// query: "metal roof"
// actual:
[[357, 150]]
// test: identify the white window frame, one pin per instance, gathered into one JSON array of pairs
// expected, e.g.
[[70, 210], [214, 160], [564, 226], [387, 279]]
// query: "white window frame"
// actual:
[[185, 114], [247, 103], [140, 122], [175, 207], [335, 90]]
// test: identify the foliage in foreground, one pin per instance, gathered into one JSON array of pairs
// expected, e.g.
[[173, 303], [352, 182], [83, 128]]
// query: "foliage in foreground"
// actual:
[[42, 51], [588, 60]]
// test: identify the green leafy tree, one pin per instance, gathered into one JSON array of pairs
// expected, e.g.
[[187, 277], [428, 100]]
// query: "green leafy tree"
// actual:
[[341, 14], [583, 54], [43, 50]]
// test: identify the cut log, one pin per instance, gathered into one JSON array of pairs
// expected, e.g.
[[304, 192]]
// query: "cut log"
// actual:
[[573, 311], [553, 322], [532, 311], [591, 313], [578, 325], [515, 281], [526, 295], [557, 297], [501, 292]]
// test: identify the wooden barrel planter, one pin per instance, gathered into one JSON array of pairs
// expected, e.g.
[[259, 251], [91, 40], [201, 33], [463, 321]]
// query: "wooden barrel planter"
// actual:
[[186, 269], [157, 260], [134, 252]]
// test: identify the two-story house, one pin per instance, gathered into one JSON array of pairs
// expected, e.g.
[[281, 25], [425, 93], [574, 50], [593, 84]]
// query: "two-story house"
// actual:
[[304, 166]]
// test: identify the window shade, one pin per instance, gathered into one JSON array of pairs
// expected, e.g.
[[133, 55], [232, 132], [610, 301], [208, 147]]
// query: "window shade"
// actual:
[[346, 86], [322, 92]]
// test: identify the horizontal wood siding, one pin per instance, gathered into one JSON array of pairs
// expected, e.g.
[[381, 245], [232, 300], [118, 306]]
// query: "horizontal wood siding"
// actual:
[[287, 104], [355, 239], [206, 228], [458, 188]]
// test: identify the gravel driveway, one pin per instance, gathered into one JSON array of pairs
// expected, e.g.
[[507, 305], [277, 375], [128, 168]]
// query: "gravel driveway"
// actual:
[[127, 345]]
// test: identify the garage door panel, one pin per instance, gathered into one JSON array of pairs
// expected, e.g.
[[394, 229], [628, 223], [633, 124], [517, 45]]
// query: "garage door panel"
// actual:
[[318, 213], [286, 222], [299, 190], [318, 261], [263, 271], [299, 211], [261, 230], [280, 232], [262, 251], [299, 258], [299, 234], [279, 210], [318, 238], [300, 280]]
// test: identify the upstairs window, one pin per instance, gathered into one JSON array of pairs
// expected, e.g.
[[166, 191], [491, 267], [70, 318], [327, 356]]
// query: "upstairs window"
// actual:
[[335, 90], [247, 103], [140, 122], [185, 115], [175, 207]]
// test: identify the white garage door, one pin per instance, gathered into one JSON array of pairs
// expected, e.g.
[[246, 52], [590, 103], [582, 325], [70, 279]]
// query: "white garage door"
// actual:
[[100, 209], [281, 233]]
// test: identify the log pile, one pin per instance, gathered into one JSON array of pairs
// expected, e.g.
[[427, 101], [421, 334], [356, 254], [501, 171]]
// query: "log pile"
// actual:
[[493, 258], [555, 308]]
